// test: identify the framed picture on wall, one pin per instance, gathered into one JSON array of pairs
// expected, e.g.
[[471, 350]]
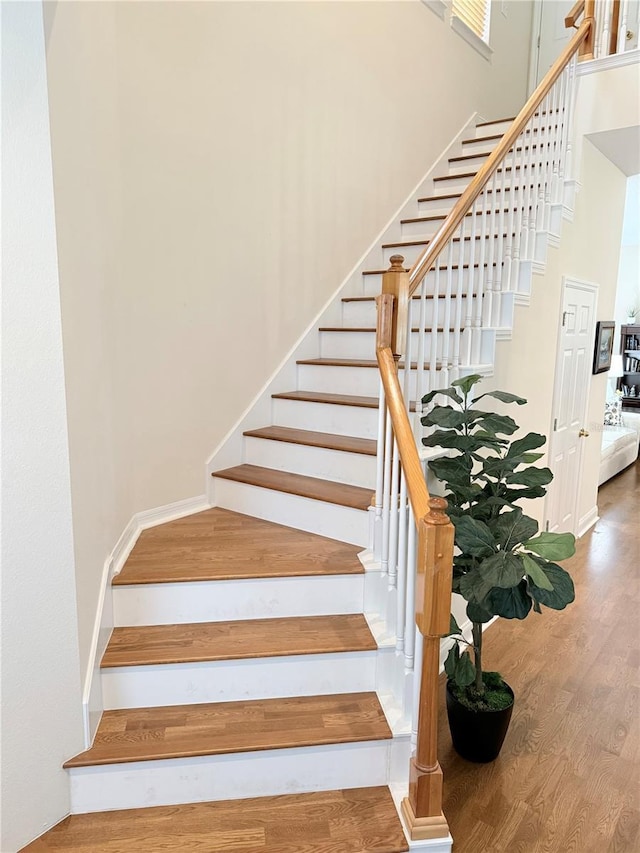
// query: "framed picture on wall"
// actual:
[[604, 346]]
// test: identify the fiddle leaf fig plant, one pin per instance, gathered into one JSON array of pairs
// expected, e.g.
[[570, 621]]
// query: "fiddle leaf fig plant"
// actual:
[[503, 566]]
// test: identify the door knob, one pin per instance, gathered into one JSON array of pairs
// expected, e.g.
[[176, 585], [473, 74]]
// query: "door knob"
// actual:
[[583, 433]]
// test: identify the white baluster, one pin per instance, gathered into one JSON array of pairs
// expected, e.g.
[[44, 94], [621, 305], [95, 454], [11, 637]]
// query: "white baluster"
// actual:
[[386, 494], [562, 152], [568, 166], [393, 520], [433, 358], [457, 321], [599, 22], [557, 134], [382, 414], [471, 334], [500, 217], [537, 195], [622, 30], [422, 338], [479, 315], [448, 310], [410, 610], [607, 14], [402, 566], [529, 156], [493, 281]]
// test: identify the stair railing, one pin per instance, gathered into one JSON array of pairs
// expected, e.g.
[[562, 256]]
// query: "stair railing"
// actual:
[[612, 19], [435, 323]]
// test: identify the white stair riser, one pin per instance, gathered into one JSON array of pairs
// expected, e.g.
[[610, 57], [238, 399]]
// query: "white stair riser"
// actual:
[[239, 680], [457, 183], [219, 601], [423, 230], [492, 129], [327, 417], [363, 314], [363, 344], [481, 144], [227, 777], [347, 380], [357, 469], [326, 519], [477, 159]]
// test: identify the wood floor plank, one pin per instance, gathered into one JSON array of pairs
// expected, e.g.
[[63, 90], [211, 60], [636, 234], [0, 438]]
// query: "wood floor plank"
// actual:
[[217, 728], [360, 820], [297, 484], [310, 438], [252, 638], [218, 544], [567, 777]]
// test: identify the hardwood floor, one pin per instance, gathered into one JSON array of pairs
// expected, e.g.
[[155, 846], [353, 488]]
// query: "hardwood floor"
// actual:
[[361, 820], [567, 778]]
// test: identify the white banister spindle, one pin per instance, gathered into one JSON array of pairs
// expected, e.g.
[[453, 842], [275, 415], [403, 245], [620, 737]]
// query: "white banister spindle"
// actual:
[[386, 495], [393, 520], [410, 611], [470, 332], [599, 24], [621, 40], [493, 278], [446, 343], [422, 325], [557, 136], [402, 566], [382, 415], [518, 201], [457, 321], [408, 358], [562, 142], [508, 178], [537, 193], [607, 14], [433, 356], [482, 277], [528, 155]]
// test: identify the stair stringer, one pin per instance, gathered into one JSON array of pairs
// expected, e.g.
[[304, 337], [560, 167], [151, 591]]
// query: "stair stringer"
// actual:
[[229, 452]]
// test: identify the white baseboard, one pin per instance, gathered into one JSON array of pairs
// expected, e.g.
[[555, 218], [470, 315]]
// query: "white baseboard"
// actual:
[[258, 412], [92, 705], [587, 521]]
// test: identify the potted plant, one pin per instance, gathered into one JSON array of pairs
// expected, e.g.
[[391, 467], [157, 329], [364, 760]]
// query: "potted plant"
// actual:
[[632, 315], [503, 566]]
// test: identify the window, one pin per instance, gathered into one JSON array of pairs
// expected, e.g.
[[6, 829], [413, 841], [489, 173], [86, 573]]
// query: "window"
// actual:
[[471, 19]]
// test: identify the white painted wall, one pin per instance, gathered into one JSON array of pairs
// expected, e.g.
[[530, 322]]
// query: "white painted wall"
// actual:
[[589, 251], [628, 293], [41, 723], [219, 168]]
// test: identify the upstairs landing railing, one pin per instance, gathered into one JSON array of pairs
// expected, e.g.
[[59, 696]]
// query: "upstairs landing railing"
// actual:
[[615, 25], [431, 323]]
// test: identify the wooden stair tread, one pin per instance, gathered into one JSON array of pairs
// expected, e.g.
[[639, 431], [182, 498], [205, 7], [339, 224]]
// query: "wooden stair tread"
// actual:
[[442, 216], [310, 438], [249, 638], [333, 399], [495, 121], [402, 243], [358, 820], [370, 329], [218, 544], [329, 491], [219, 728], [442, 269], [457, 195]]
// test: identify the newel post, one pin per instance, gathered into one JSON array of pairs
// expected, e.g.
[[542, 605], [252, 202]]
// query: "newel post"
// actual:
[[423, 808], [393, 308], [587, 48]]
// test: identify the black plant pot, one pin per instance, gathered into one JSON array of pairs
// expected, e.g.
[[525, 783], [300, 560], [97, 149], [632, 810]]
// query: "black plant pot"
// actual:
[[477, 735]]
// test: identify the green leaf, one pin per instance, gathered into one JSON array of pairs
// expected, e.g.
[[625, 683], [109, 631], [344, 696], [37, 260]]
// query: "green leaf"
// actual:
[[493, 423], [511, 528], [563, 592], [503, 396], [503, 570], [513, 603], [531, 477], [466, 383], [465, 672], [455, 471], [444, 416], [536, 573], [451, 662], [530, 458], [446, 392], [477, 613], [531, 441], [473, 537], [552, 546], [454, 628]]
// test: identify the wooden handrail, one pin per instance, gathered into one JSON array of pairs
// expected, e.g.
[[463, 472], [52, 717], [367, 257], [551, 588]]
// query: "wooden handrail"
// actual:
[[448, 228], [574, 14], [416, 486]]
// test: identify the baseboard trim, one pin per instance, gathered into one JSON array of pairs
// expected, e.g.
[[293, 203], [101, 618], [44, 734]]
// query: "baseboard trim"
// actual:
[[587, 521], [92, 705]]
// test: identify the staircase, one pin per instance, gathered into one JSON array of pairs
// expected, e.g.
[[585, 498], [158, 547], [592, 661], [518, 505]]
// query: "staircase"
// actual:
[[257, 696]]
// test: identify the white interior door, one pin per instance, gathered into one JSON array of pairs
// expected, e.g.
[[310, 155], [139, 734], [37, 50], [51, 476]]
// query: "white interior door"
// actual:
[[571, 396], [550, 36]]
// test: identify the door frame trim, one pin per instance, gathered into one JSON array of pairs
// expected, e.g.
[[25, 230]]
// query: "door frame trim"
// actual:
[[591, 287]]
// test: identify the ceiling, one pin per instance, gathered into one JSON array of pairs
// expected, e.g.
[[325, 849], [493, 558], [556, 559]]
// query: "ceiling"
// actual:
[[621, 146]]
